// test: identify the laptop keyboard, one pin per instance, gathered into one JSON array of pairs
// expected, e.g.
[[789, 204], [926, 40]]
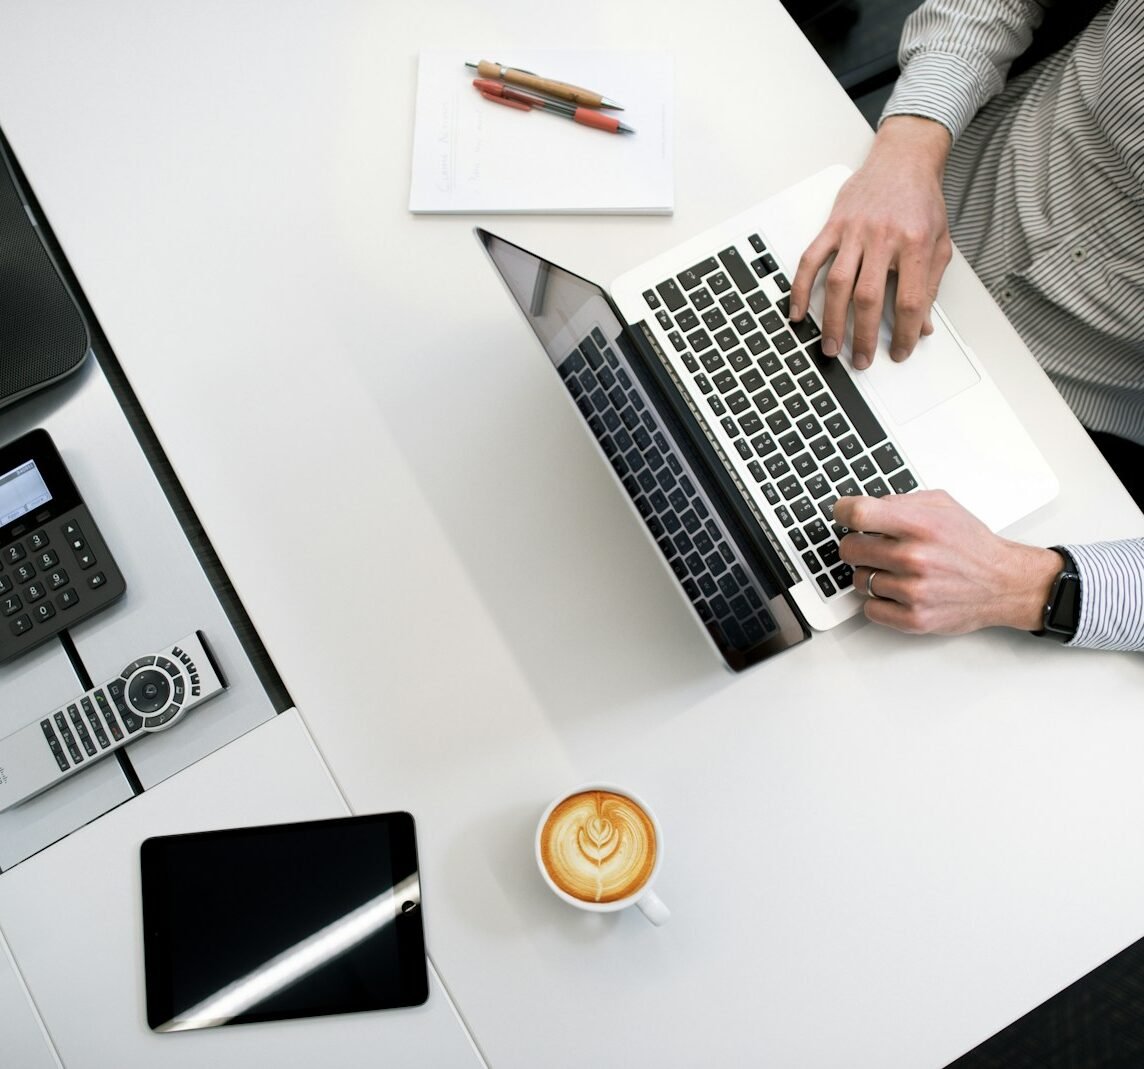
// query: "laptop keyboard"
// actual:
[[662, 484], [802, 434]]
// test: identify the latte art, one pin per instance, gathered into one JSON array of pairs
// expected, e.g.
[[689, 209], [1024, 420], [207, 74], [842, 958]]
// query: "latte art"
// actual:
[[598, 846]]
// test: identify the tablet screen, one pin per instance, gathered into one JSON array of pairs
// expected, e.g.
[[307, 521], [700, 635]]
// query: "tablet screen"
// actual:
[[287, 920]]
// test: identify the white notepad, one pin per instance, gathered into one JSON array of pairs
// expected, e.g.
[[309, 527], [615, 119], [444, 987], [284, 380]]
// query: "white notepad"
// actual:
[[471, 155]]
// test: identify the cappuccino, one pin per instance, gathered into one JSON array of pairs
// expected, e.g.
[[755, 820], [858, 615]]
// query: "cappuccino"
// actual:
[[598, 846]]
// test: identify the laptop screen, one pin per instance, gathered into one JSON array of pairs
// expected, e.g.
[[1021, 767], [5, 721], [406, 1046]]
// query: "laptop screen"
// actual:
[[734, 594]]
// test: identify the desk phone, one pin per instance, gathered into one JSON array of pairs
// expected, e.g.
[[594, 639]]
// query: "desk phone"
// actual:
[[152, 693], [55, 568]]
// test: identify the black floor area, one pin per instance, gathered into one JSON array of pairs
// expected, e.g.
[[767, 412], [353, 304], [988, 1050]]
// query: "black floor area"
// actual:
[[1097, 1022]]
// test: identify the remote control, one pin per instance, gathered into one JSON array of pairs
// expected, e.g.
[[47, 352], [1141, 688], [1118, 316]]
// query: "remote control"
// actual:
[[151, 694]]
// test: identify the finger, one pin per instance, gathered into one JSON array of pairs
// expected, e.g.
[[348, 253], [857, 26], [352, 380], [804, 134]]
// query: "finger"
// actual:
[[911, 303], [870, 551], [940, 262], [869, 303], [877, 515], [812, 261], [839, 289], [885, 585], [889, 613]]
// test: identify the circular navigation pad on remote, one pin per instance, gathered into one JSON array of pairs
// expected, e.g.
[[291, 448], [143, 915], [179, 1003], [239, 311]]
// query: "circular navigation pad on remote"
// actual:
[[156, 688]]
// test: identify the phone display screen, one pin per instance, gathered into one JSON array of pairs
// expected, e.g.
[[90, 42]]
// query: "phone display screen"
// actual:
[[289, 920], [21, 490]]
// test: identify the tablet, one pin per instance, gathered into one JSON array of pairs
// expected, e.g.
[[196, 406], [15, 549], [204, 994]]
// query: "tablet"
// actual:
[[285, 920]]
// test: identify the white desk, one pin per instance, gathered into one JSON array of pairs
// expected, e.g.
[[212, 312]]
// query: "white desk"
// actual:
[[880, 849]]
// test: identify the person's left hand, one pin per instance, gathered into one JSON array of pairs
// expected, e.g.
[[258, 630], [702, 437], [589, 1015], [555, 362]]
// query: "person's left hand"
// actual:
[[938, 569]]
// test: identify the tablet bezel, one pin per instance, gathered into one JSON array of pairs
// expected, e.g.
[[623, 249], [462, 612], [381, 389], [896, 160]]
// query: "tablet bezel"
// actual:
[[157, 914]]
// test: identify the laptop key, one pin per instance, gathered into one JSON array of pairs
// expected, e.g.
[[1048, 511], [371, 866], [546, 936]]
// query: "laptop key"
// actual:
[[903, 482], [672, 295], [738, 270]]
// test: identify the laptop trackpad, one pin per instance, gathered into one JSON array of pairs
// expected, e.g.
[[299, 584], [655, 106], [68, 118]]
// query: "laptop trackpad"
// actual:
[[937, 370]]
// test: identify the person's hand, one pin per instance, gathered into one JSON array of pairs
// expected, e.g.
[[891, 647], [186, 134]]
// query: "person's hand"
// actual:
[[889, 216], [939, 569]]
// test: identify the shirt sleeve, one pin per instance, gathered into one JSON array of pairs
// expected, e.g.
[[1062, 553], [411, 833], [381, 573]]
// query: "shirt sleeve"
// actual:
[[1111, 595], [955, 54]]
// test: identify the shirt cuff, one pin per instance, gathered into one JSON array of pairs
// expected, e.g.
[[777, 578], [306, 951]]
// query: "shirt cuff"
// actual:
[[942, 87], [1111, 595]]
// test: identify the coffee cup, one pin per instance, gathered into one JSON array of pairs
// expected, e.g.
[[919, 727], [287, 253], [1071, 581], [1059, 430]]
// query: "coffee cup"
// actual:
[[599, 848]]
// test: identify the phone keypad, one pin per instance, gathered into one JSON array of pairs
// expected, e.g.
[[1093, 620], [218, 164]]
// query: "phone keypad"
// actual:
[[53, 575]]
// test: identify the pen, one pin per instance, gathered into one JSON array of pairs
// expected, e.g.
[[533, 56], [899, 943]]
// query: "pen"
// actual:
[[499, 93], [561, 90]]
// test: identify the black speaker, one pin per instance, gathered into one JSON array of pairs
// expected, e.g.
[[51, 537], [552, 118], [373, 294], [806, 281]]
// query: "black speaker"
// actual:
[[43, 336]]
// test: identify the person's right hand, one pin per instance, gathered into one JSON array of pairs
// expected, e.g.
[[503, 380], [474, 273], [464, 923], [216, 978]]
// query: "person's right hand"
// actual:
[[889, 216]]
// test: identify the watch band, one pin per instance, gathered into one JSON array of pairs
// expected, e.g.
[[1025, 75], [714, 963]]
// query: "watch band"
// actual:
[[1062, 610]]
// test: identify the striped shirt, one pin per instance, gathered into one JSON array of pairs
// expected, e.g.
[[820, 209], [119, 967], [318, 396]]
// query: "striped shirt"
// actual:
[[1045, 189]]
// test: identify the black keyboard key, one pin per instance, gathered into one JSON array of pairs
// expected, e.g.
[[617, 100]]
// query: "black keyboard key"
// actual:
[[816, 531], [757, 243], [724, 381], [713, 319], [824, 584], [805, 330], [758, 302], [789, 487], [778, 422], [763, 444], [791, 443], [738, 402], [672, 295], [903, 482], [782, 384], [876, 488], [828, 551], [765, 401], [651, 298], [726, 339], [731, 303], [784, 341], [702, 298], [687, 320], [803, 510], [887, 457], [750, 424], [699, 340], [804, 465], [782, 282], [796, 405], [738, 270], [849, 446], [719, 282], [756, 343], [691, 278], [771, 321], [740, 360], [853, 403], [752, 379], [813, 564]]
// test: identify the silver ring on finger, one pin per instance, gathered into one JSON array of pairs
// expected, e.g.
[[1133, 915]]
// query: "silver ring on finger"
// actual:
[[870, 586]]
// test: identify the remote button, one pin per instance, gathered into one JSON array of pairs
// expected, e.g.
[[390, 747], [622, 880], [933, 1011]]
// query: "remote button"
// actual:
[[68, 598], [44, 611], [134, 666], [148, 691], [96, 723], [37, 540], [81, 731], [21, 625], [115, 690], [12, 554], [54, 745]]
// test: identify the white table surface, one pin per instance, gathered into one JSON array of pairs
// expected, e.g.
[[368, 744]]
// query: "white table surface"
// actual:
[[880, 849]]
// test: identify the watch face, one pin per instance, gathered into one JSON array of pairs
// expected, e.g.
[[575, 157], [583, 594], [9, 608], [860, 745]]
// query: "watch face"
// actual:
[[1064, 607]]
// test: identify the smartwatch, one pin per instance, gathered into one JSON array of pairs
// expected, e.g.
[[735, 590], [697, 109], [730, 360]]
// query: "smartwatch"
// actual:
[[1062, 610]]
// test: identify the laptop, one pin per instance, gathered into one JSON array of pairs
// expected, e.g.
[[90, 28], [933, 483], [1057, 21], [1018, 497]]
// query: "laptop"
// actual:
[[733, 435]]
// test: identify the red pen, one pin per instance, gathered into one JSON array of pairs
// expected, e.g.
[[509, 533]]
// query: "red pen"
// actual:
[[499, 93]]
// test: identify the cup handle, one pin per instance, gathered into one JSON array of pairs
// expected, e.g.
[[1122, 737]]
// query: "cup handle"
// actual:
[[652, 907]]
